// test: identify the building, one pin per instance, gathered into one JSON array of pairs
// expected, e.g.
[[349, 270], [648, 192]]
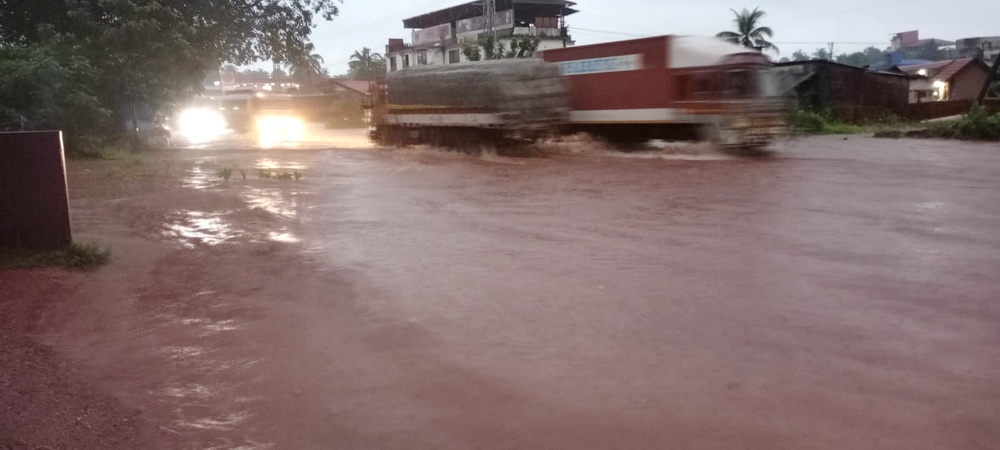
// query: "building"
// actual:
[[438, 37], [956, 79], [346, 88], [851, 94], [986, 48], [910, 40]]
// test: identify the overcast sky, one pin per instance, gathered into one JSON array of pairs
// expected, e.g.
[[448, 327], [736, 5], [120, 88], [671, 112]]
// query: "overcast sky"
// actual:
[[797, 24]]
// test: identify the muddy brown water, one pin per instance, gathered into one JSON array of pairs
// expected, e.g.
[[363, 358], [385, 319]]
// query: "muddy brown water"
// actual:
[[838, 293]]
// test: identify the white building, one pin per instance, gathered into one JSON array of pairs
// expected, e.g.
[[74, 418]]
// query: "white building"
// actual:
[[438, 37]]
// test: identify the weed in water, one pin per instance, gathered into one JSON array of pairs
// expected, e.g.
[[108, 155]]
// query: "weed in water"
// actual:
[[293, 175], [78, 255], [225, 173], [243, 174]]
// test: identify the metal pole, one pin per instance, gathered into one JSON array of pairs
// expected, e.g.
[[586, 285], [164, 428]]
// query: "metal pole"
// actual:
[[489, 14]]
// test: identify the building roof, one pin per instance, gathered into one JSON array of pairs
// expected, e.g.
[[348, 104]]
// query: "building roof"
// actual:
[[835, 63], [942, 70], [475, 9], [361, 87]]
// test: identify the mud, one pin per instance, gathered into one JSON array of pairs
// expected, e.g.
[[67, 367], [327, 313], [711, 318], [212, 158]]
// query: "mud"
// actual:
[[831, 293]]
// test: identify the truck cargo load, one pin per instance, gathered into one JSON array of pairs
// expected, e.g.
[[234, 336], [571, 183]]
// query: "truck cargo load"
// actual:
[[517, 96]]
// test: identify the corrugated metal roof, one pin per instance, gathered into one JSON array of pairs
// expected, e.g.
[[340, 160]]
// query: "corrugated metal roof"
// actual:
[[940, 70]]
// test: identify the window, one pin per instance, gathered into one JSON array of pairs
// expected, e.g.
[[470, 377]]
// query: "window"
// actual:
[[392, 63], [422, 57], [453, 56], [406, 61]]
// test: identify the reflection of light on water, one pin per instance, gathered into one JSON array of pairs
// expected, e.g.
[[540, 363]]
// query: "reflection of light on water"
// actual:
[[201, 228], [184, 352], [223, 424], [283, 237], [270, 164], [190, 391], [212, 326], [276, 201]]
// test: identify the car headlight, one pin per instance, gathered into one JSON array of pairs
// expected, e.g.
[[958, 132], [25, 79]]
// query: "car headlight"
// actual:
[[201, 124]]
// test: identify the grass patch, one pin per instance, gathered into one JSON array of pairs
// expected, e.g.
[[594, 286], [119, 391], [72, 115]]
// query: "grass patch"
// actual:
[[807, 122], [78, 255], [977, 125]]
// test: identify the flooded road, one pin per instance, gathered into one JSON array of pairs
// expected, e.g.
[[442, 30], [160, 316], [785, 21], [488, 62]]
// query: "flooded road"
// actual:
[[834, 294]]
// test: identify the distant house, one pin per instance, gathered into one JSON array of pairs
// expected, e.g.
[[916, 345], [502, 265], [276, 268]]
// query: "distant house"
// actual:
[[986, 48], [852, 94], [956, 79], [910, 44]]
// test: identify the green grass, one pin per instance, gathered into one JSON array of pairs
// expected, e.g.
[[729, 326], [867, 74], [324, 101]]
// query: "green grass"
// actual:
[[977, 125], [815, 123], [78, 255]]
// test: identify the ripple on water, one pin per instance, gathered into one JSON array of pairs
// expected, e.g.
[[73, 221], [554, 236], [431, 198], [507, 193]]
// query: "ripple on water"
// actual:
[[192, 228]]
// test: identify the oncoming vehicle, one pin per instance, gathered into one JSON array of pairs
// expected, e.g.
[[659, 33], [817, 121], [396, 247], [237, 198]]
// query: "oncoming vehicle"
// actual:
[[272, 117]]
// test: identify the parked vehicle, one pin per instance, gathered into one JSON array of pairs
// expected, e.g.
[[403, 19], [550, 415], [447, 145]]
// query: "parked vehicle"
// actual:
[[667, 87]]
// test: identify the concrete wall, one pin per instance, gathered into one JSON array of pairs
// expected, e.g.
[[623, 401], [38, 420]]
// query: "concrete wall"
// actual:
[[34, 203]]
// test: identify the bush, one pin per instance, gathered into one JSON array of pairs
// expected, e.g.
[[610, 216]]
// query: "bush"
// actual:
[[978, 125], [815, 123]]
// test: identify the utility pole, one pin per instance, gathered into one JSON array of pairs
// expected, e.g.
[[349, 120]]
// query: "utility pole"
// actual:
[[989, 80], [489, 15]]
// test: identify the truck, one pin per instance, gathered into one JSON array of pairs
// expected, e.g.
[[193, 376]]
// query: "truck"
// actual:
[[666, 87], [458, 104]]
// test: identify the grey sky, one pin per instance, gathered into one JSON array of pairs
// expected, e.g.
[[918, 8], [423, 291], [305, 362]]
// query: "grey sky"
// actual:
[[853, 24]]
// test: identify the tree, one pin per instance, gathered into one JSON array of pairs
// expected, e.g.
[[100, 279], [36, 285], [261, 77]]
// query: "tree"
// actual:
[[747, 33], [366, 65], [49, 85], [488, 47], [800, 55], [153, 53], [821, 54], [305, 67]]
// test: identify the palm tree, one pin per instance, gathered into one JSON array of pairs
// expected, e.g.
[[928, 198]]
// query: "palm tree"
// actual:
[[748, 34], [366, 65], [306, 67]]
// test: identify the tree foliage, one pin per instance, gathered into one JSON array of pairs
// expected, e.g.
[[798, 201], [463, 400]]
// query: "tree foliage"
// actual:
[[306, 68], [152, 52], [867, 57], [48, 84], [800, 55], [748, 33], [366, 65], [488, 47]]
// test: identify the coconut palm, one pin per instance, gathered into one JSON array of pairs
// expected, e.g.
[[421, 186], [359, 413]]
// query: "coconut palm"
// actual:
[[306, 67], [366, 65], [747, 33]]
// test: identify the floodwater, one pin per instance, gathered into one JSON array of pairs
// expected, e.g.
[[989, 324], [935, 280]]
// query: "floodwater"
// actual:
[[834, 293]]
